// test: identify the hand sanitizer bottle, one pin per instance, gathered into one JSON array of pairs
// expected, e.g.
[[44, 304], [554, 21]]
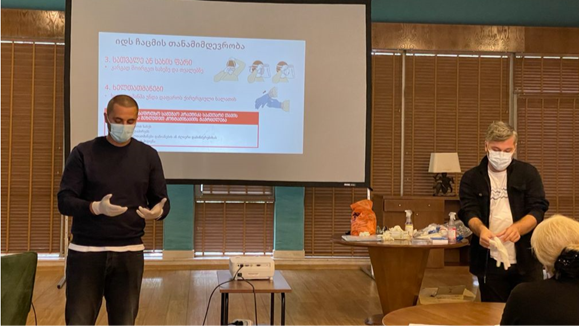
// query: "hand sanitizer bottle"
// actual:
[[451, 228], [409, 227]]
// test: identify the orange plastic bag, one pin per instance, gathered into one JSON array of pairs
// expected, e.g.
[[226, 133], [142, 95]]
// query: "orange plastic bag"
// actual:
[[363, 218]]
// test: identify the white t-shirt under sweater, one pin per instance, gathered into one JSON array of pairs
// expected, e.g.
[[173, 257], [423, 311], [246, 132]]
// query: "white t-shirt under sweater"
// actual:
[[501, 216], [75, 247]]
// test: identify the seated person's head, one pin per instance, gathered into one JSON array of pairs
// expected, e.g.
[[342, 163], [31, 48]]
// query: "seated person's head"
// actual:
[[555, 242]]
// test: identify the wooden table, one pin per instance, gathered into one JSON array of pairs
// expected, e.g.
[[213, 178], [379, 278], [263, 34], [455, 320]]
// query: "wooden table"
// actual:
[[464, 313], [398, 270], [277, 285]]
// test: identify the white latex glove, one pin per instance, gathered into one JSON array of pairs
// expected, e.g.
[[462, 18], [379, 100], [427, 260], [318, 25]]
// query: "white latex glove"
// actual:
[[500, 252], [106, 208], [153, 213]]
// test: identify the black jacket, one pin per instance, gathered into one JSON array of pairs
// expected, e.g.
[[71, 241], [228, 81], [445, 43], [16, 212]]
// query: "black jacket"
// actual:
[[526, 196]]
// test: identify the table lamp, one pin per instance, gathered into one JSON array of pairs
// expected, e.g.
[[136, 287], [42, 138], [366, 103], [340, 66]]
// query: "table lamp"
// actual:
[[441, 164]]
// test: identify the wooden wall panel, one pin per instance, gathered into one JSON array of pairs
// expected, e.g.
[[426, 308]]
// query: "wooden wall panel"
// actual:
[[442, 37], [475, 38], [33, 24], [551, 40]]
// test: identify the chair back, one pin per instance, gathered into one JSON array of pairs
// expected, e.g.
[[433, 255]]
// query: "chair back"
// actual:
[[18, 273]]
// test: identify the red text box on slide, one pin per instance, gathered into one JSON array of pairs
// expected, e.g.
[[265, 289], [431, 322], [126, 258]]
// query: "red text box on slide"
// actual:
[[201, 117], [218, 118]]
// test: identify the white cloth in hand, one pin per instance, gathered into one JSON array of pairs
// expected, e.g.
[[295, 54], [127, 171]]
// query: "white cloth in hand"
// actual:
[[106, 208], [499, 251], [153, 213]]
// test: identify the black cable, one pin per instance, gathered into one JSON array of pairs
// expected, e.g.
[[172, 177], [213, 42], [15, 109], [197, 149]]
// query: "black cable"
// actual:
[[218, 285], [235, 275], [254, 298], [209, 303], [34, 309]]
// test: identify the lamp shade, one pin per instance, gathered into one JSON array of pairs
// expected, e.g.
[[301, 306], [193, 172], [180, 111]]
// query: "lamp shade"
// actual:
[[444, 163]]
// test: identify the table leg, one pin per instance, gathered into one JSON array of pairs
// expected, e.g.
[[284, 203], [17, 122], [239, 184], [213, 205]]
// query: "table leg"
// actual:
[[398, 273], [222, 309], [283, 308], [226, 313], [272, 310]]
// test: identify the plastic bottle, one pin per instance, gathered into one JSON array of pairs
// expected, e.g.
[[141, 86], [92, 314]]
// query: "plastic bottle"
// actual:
[[409, 227], [451, 228]]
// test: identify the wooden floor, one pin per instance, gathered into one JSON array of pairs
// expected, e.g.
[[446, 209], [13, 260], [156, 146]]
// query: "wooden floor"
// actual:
[[179, 297]]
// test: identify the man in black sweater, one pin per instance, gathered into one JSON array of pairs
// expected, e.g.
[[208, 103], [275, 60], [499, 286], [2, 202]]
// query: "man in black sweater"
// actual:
[[111, 186], [502, 198]]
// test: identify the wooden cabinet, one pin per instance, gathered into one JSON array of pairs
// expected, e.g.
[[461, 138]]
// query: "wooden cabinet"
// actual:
[[426, 210], [423, 205]]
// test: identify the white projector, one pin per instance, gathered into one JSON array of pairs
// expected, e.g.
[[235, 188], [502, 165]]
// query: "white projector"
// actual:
[[252, 268]]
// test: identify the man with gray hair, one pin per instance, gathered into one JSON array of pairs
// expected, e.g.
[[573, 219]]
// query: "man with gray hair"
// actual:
[[502, 200]]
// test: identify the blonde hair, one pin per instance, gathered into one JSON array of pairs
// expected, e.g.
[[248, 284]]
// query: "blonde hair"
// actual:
[[552, 236], [500, 131]]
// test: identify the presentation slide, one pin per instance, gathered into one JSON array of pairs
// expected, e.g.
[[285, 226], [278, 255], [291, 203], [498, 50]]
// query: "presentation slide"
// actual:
[[207, 94], [230, 92]]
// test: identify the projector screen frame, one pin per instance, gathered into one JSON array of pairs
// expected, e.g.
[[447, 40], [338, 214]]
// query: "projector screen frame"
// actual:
[[367, 173]]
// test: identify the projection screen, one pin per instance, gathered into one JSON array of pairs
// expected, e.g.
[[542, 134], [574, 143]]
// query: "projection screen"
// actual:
[[229, 92]]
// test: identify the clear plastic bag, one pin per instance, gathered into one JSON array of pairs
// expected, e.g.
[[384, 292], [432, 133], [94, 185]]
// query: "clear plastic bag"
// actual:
[[432, 230], [462, 229]]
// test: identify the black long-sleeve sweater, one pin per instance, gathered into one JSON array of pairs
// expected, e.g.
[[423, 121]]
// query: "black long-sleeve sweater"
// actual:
[[133, 174]]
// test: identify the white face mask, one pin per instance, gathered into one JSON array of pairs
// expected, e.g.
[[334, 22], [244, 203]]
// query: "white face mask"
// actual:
[[285, 71], [500, 160], [121, 133]]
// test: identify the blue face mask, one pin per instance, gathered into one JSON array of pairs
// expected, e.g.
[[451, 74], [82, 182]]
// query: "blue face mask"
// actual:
[[121, 133]]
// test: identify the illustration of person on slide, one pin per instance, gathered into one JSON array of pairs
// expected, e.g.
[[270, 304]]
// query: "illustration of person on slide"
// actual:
[[283, 72], [269, 99], [257, 72], [233, 68]]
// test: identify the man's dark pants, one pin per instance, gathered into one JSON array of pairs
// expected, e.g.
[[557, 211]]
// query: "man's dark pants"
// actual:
[[91, 275]]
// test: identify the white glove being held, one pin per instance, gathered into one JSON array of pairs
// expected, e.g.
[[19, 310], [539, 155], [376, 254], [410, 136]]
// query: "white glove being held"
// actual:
[[153, 213], [501, 253], [106, 208]]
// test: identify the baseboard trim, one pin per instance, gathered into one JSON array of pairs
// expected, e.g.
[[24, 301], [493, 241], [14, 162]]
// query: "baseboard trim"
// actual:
[[186, 260], [289, 254], [178, 254]]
